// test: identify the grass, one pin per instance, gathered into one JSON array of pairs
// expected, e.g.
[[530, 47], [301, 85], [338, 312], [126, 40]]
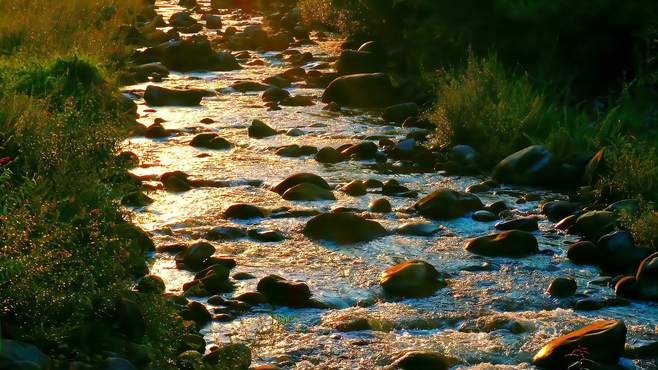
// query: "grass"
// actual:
[[68, 252]]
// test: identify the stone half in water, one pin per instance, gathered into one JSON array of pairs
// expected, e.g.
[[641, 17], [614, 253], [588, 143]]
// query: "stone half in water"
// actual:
[[414, 278], [343, 228]]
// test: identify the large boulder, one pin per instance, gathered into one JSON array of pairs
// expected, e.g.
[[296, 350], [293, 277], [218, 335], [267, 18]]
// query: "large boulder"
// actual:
[[343, 228], [644, 285], [530, 166], [282, 292], [353, 62], [513, 243], [399, 113], [159, 96], [619, 253], [602, 341], [300, 178], [594, 224], [413, 278], [370, 90], [444, 204], [190, 55]]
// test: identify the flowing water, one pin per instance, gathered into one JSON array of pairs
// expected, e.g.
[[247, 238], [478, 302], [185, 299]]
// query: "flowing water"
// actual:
[[347, 277]]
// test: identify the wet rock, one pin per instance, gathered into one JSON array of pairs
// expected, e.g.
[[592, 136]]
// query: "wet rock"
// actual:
[[238, 355], [422, 360], [603, 340], [159, 96], [360, 90], [644, 285], [151, 284], [352, 62], [619, 253], [136, 199], [362, 150], [175, 181], [210, 141], [225, 233], [196, 312], [213, 22], [300, 178], [559, 209], [282, 292], [297, 101], [259, 130], [308, 192], [513, 243], [530, 166], [194, 342], [418, 229], [295, 132], [400, 112], [567, 222], [594, 224], [290, 151], [253, 298], [496, 207], [243, 276], [329, 155], [196, 255], [157, 131], [355, 188], [381, 205], [249, 86], [413, 278], [182, 19], [343, 228], [491, 324], [15, 354], [588, 304], [265, 235], [524, 224], [484, 216], [275, 94], [447, 204], [244, 211], [584, 253], [644, 350], [562, 287]]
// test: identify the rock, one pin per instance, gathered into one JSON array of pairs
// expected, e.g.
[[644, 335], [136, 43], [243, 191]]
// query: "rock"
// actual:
[[558, 209], [265, 235], [259, 130], [418, 229], [588, 304], [644, 285], [249, 86], [524, 224], [275, 94], [413, 278], [175, 181], [253, 298], [343, 228], [484, 216], [360, 90], [329, 155], [195, 257], [644, 350], [583, 253], [196, 312], [447, 204], [210, 141], [381, 205], [297, 101], [225, 233], [355, 188], [530, 166], [619, 253], [291, 151], [400, 112], [194, 54], [244, 211], [490, 324], [594, 224], [159, 96], [151, 284], [213, 22], [362, 150], [511, 243], [238, 355], [352, 62], [626, 207], [603, 340], [182, 19], [300, 178], [17, 354], [116, 363], [282, 292], [156, 131], [295, 132], [421, 360], [562, 287], [136, 199], [496, 207], [308, 192]]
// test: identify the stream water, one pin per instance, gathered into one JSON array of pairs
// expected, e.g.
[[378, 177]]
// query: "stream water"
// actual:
[[347, 277]]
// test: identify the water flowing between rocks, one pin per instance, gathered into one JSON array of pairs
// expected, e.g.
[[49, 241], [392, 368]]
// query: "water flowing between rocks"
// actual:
[[346, 277]]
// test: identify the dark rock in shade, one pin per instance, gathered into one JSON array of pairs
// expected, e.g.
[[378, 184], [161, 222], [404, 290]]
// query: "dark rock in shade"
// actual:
[[196, 255], [413, 278], [308, 192], [117, 363], [210, 141], [136, 199], [249, 86], [343, 228], [196, 312], [447, 204], [513, 243], [644, 285], [238, 355], [381, 205], [530, 166], [130, 319], [14, 353], [213, 22], [588, 304], [360, 90], [484, 216], [603, 340], [282, 292], [297, 101], [157, 131], [523, 224], [353, 62], [566, 223], [329, 155], [275, 94], [559, 209], [400, 112], [355, 188], [421, 360], [619, 253], [244, 211], [225, 233], [175, 181], [362, 150], [252, 298], [496, 207], [300, 178], [584, 253], [265, 235], [151, 284], [418, 229], [594, 224], [646, 350], [182, 19], [159, 96], [628, 207], [259, 129], [562, 287]]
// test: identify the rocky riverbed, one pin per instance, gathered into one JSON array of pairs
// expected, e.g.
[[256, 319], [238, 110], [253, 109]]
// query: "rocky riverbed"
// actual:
[[481, 304]]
